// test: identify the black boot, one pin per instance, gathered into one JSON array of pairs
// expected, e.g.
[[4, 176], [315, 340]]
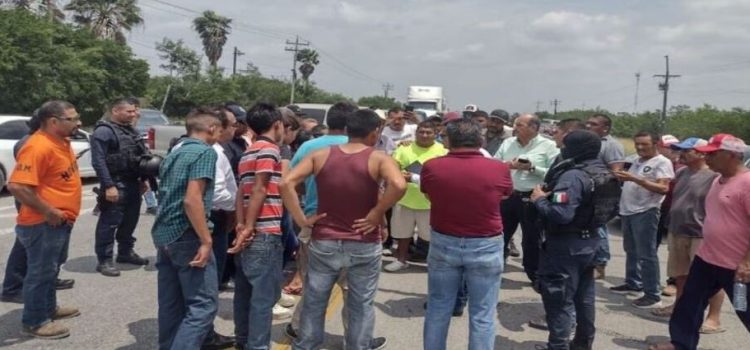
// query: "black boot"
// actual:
[[131, 258], [108, 268]]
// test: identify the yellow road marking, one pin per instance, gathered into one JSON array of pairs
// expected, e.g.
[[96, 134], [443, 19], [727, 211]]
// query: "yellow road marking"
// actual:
[[337, 298]]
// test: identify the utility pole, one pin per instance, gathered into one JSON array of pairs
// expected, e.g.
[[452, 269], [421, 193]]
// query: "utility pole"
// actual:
[[234, 62], [538, 103], [294, 49], [387, 87], [665, 87], [555, 103], [637, 84]]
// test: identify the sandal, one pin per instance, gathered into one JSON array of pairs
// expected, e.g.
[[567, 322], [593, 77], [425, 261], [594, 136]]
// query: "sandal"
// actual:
[[712, 330]]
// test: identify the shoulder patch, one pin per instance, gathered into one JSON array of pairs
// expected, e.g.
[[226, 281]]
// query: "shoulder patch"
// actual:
[[560, 197]]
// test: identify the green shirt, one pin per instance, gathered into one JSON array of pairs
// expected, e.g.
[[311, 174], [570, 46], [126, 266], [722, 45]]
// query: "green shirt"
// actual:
[[194, 160], [406, 156], [540, 151]]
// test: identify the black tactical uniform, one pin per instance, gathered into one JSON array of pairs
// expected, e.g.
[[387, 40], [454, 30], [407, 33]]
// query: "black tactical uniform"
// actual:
[[116, 153], [566, 270]]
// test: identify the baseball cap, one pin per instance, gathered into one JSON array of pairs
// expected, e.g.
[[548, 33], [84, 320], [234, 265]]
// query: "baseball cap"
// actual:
[[451, 116], [689, 143], [723, 142], [667, 140], [501, 114], [238, 112], [471, 108]]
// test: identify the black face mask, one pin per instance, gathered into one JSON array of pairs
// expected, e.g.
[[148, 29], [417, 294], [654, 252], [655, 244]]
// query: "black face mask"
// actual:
[[581, 145]]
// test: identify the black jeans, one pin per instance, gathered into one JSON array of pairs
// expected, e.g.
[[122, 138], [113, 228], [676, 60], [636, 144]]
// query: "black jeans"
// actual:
[[703, 281], [566, 282], [117, 221], [517, 210]]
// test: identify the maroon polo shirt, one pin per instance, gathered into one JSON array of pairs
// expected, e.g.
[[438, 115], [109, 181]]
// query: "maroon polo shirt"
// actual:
[[465, 190]]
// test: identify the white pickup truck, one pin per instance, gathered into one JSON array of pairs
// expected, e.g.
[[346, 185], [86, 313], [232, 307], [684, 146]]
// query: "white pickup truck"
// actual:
[[159, 137]]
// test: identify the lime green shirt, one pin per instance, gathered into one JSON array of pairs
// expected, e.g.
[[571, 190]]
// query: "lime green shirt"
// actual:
[[408, 155]]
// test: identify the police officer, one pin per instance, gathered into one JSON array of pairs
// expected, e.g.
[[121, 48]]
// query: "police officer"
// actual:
[[116, 153], [566, 271]]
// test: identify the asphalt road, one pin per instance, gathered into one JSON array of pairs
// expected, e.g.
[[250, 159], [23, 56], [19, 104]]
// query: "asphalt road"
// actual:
[[120, 313]]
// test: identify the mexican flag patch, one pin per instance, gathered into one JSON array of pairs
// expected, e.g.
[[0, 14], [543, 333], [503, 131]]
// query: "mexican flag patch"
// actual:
[[560, 197]]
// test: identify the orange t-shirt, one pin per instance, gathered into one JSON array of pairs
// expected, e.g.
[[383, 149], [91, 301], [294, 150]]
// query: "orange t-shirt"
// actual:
[[49, 165]]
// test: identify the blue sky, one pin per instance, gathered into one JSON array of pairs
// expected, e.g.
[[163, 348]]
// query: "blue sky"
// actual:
[[496, 54]]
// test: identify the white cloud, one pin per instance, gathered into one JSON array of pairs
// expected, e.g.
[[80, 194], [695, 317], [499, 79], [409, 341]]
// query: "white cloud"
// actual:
[[576, 31]]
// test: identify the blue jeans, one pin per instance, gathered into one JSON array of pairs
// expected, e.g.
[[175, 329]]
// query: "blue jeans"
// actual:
[[117, 221], [566, 282], [602, 256], [360, 262], [188, 296], [257, 288], [15, 269], [641, 260], [478, 262], [45, 245]]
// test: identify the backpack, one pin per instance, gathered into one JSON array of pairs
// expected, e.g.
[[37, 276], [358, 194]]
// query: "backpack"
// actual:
[[604, 196]]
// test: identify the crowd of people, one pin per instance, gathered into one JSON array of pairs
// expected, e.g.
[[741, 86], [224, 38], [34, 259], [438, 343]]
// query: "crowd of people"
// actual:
[[244, 192]]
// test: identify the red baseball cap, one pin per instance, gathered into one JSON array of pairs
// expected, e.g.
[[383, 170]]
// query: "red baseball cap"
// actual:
[[725, 142], [451, 116]]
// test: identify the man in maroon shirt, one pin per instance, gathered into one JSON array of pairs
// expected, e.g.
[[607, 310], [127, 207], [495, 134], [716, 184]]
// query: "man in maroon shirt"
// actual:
[[346, 231], [465, 190]]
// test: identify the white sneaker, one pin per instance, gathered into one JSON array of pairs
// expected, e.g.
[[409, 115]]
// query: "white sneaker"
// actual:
[[286, 300], [396, 266], [280, 312]]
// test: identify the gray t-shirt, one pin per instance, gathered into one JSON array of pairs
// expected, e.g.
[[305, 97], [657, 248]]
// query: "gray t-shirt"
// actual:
[[689, 201], [612, 151], [636, 199]]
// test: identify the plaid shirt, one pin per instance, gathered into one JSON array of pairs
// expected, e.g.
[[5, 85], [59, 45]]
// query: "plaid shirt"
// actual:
[[194, 160]]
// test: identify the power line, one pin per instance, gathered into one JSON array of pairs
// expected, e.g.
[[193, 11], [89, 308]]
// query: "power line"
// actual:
[[278, 34]]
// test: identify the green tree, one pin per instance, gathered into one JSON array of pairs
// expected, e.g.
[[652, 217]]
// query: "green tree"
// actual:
[[107, 19], [43, 60], [378, 101], [180, 59], [213, 30]]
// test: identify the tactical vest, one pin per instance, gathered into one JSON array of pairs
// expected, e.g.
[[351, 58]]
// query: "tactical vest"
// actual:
[[124, 162], [599, 203]]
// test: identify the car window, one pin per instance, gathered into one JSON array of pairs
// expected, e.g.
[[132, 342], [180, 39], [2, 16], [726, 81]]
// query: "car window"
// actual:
[[13, 130], [149, 118]]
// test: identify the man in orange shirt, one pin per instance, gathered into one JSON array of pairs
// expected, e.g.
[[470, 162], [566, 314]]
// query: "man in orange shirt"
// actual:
[[46, 182]]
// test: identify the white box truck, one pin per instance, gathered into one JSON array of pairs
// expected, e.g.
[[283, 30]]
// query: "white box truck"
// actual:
[[426, 99]]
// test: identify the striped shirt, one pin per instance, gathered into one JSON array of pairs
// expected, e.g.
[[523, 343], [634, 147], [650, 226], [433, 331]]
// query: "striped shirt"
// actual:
[[263, 156]]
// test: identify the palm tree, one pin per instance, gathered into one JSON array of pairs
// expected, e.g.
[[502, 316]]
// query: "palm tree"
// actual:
[[45, 8], [213, 30], [309, 59], [107, 19]]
